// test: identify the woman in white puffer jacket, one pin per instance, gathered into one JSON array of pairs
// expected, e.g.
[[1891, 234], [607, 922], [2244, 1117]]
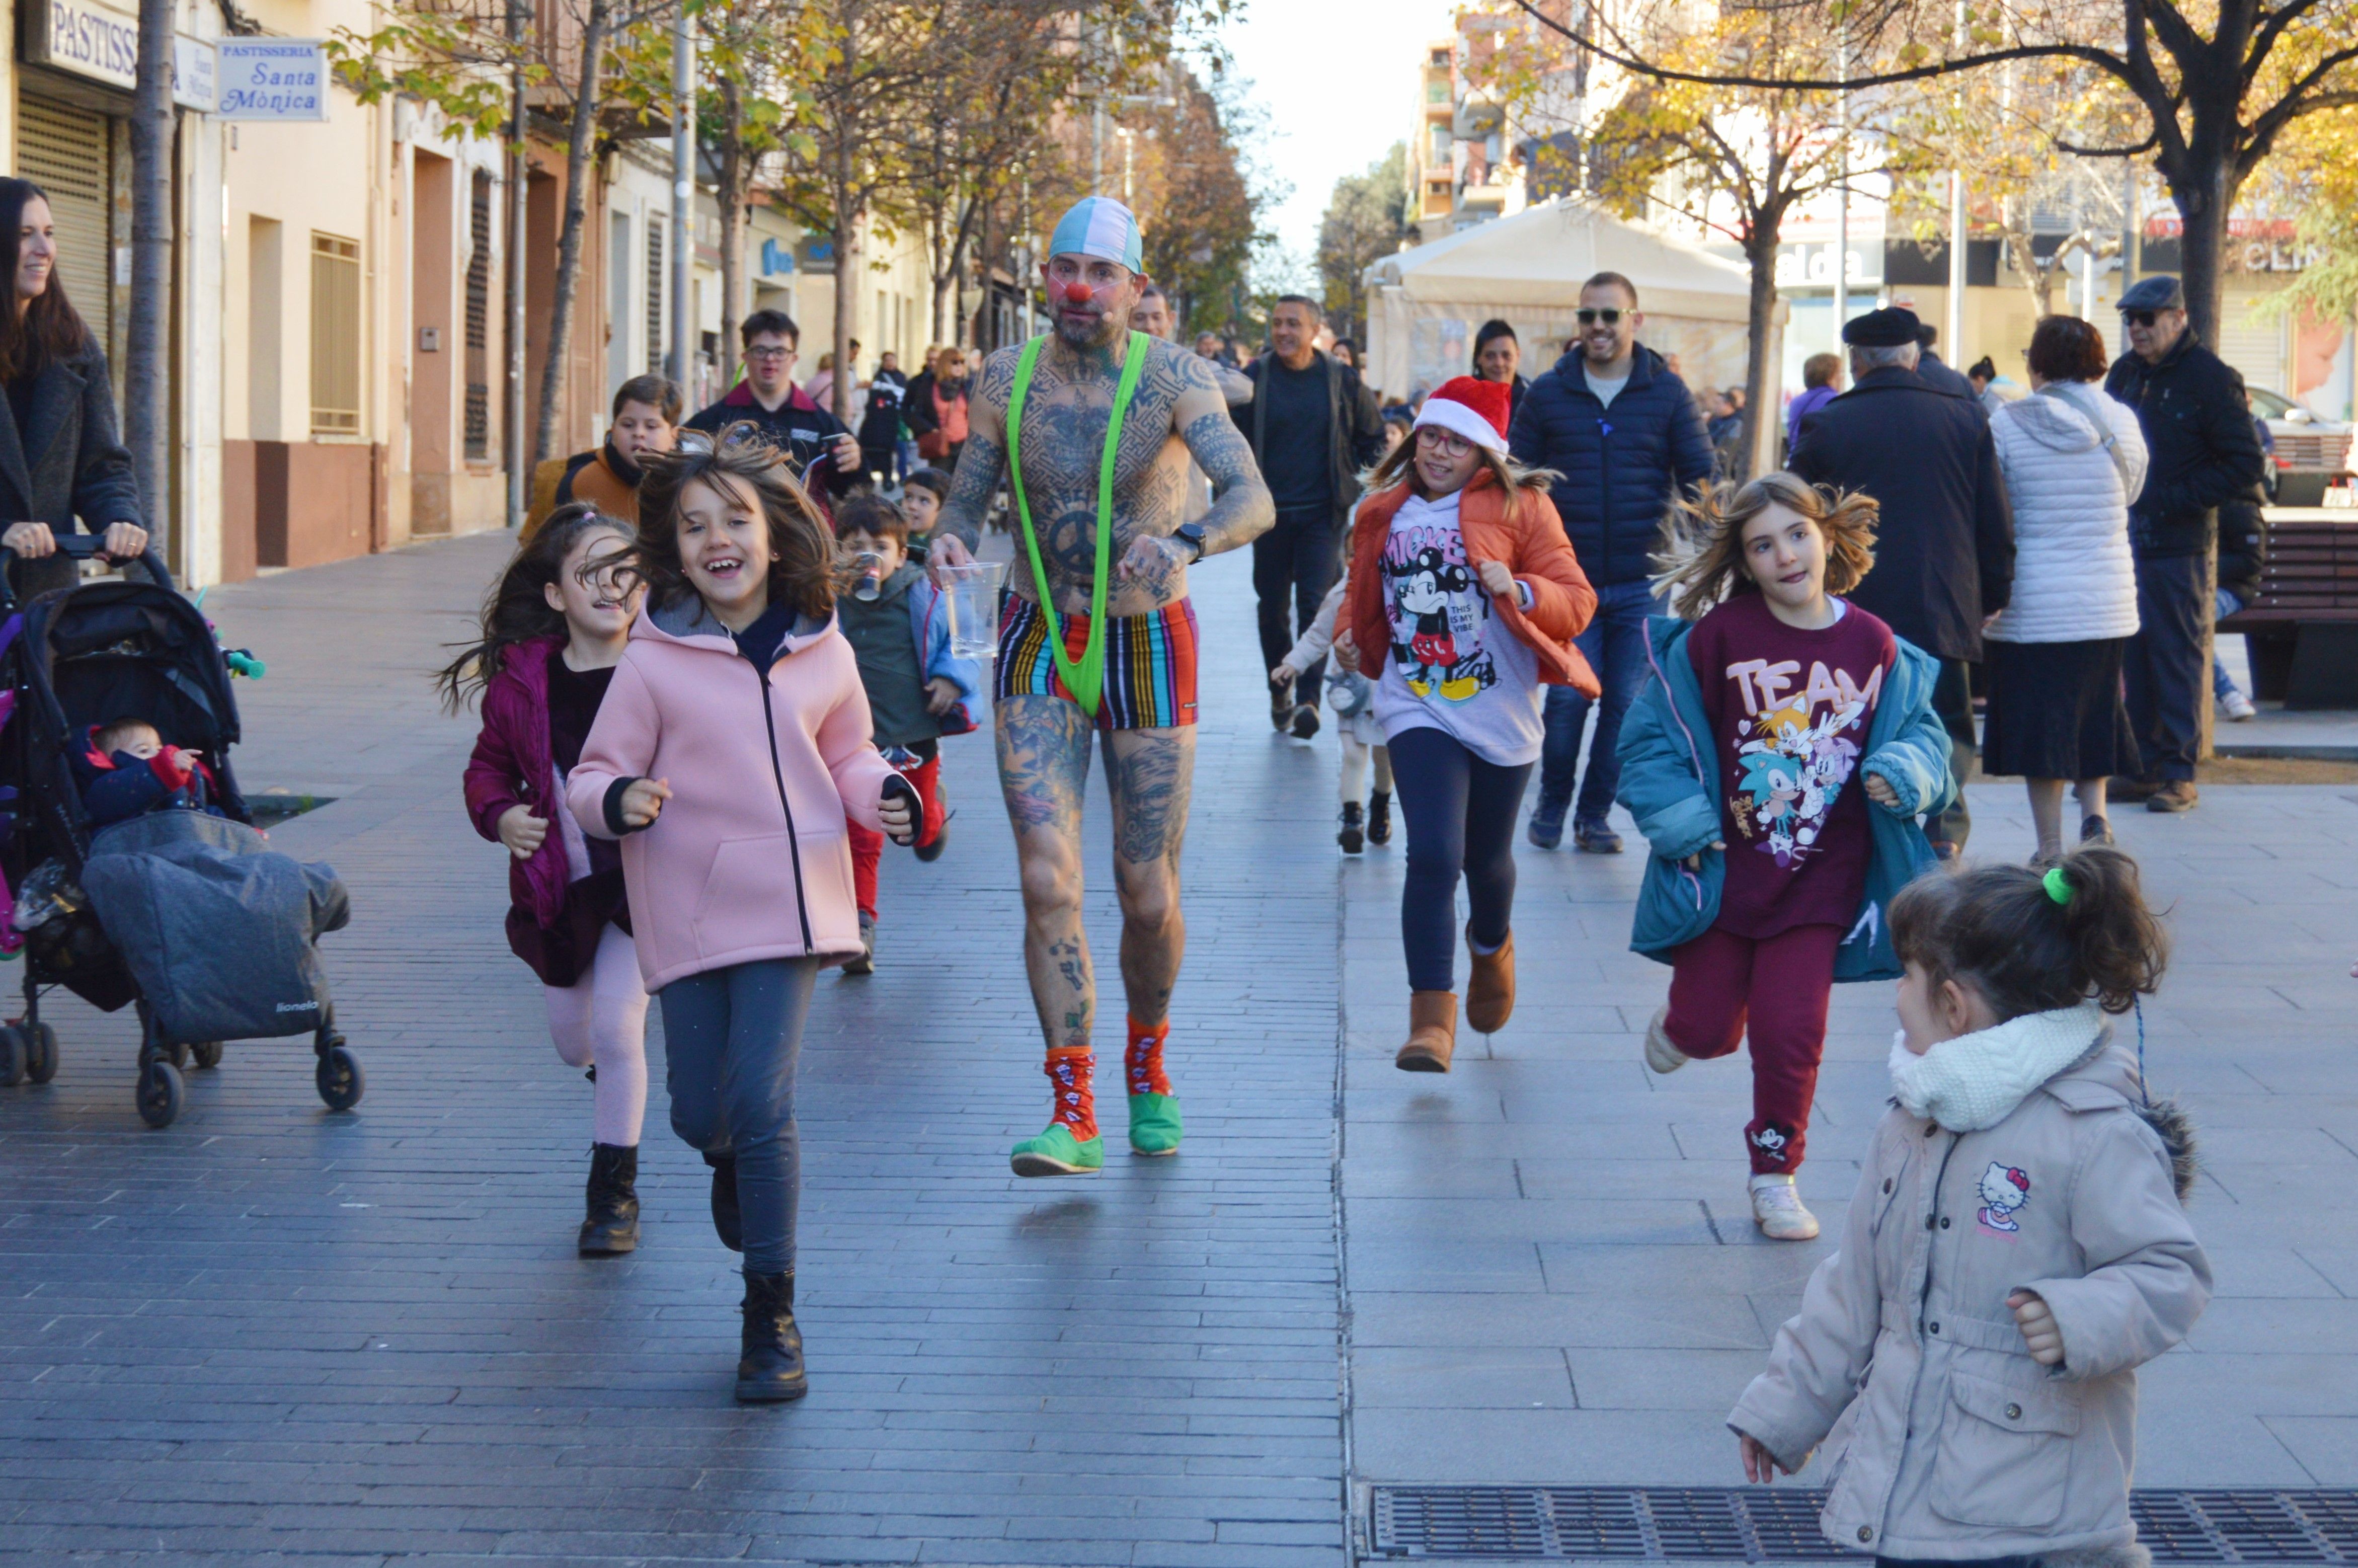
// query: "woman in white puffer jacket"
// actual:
[[2074, 458]]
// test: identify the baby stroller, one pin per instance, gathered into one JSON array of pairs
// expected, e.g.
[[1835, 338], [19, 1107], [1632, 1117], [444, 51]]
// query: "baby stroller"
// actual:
[[188, 917]]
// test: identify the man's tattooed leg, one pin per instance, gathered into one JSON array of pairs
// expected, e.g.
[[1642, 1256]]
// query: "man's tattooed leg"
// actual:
[[1044, 767], [1151, 773]]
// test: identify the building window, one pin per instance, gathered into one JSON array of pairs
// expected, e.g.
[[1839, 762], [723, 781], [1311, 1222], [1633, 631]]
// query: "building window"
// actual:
[[1440, 146], [335, 336], [479, 322], [654, 295]]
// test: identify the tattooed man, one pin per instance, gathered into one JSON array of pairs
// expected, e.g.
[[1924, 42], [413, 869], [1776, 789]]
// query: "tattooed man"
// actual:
[[1146, 700]]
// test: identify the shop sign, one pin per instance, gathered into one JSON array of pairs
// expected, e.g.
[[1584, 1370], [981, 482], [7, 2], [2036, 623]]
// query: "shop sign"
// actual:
[[273, 79], [85, 39], [777, 260], [193, 83], [1805, 266]]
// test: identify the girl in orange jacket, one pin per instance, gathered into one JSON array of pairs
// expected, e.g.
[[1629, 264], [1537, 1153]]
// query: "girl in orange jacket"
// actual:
[[1463, 601]]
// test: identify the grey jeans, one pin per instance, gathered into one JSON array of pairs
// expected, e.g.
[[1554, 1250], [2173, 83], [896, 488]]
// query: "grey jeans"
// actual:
[[731, 1038]]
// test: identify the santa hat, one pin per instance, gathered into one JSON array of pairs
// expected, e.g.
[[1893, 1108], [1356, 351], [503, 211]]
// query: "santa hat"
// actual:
[[1474, 410]]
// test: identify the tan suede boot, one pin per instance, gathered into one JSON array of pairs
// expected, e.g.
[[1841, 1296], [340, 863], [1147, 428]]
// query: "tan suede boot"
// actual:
[[1431, 1032], [1490, 988]]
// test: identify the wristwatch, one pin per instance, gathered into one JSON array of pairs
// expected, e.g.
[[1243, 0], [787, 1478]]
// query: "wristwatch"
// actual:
[[1191, 534]]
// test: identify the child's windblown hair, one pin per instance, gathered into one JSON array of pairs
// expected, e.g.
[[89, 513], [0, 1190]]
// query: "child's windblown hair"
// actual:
[[517, 609], [1700, 562], [741, 459], [2002, 931]]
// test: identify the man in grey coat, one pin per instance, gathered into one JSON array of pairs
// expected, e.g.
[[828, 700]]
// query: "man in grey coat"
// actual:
[[1313, 427]]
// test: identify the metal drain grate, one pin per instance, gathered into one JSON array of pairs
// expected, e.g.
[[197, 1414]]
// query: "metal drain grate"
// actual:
[[1705, 1524]]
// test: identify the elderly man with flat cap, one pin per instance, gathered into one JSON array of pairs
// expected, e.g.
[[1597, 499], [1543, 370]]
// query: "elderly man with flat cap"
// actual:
[[1944, 550], [1098, 644], [2203, 450]]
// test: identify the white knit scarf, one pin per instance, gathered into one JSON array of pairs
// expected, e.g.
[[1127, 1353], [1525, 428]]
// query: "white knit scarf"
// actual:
[[1976, 1080]]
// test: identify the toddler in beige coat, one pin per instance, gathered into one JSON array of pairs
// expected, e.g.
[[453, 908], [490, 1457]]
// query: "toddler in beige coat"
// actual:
[[2016, 1246]]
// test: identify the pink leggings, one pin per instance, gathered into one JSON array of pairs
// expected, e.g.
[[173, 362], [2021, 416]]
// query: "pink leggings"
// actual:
[[603, 1020]]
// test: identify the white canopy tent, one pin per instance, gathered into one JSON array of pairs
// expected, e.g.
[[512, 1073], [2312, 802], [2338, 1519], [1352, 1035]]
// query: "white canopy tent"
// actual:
[[1425, 304]]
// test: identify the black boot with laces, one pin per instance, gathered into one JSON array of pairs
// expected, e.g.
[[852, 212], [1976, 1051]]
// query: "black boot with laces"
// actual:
[[1353, 838], [770, 1356], [611, 1226]]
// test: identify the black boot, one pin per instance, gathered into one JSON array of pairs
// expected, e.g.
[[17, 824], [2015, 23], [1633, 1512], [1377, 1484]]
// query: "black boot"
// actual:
[[1379, 817], [727, 1223], [1353, 833], [770, 1356], [612, 1226]]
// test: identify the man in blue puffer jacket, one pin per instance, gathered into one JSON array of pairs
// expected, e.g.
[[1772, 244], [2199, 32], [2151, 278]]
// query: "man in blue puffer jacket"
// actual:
[[1624, 433]]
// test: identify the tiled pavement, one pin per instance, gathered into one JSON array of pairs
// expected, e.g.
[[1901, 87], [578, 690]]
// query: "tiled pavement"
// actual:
[[272, 1335]]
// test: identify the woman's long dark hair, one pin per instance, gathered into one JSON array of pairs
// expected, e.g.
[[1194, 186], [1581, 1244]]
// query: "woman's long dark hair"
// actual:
[[516, 610], [804, 574], [51, 327]]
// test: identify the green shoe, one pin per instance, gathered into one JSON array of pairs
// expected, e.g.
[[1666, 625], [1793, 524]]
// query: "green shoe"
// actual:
[[1056, 1152], [1153, 1124]]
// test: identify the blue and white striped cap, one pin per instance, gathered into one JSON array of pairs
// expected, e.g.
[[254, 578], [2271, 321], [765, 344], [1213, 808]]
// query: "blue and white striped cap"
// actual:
[[1099, 226]]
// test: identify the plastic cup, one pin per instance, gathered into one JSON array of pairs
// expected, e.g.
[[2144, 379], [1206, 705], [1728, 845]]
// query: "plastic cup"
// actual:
[[971, 600]]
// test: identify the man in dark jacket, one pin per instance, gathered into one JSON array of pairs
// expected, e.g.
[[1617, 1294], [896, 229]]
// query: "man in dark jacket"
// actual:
[[879, 425], [1936, 372], [813, 439], [2201, 453], [1944, 548], [1313, 426], [1624, 433]]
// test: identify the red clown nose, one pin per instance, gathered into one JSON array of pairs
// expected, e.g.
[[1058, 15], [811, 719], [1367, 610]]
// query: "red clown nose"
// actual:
[[1077, 293]]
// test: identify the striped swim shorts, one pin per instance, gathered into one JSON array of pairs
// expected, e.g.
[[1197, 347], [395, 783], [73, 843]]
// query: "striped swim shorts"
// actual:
[[1150, 663]]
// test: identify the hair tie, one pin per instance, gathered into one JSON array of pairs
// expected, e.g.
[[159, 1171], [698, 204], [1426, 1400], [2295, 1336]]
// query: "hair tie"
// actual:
[[2058, 887]]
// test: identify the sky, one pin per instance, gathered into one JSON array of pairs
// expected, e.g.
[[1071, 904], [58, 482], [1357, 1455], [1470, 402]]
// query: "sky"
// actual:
[[1338, 79]]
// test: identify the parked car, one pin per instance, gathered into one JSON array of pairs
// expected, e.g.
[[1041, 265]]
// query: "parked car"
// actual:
[[2311, 451]]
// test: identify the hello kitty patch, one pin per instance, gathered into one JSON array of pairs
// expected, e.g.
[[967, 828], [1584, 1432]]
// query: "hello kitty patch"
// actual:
[[2005, 1189]]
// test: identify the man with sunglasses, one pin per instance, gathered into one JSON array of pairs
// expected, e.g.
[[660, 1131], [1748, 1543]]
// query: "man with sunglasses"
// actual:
[[2203, 451], [1098, 643], [1615, 421], [788, 415]]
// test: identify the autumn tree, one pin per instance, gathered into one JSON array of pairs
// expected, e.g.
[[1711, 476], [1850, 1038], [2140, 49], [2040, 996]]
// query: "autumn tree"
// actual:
[[1367, 219], [1200, 197]]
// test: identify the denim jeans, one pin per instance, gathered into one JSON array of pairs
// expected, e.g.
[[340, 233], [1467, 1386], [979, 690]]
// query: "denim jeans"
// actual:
[[2164, 667], [1615, 647], [2227, 602]]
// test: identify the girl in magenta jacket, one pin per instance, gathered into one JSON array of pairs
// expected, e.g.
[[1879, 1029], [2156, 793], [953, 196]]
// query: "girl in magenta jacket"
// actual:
[[551, 637], [731, 754]]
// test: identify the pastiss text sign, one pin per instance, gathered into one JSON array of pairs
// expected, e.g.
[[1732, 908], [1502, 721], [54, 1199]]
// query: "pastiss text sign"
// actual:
[[87, 39], [273, 79]]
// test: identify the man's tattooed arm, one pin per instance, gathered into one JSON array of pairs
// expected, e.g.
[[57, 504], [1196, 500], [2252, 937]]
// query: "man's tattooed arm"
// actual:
[[1241, 509], [975, 484]]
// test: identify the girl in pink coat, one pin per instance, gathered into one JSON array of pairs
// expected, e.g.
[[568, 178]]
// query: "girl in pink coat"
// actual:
[[730, 754], [551, 637]]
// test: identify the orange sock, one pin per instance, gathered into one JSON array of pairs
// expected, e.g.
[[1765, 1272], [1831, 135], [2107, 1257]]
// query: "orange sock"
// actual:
[[1142, 1063], [1069, 1067]]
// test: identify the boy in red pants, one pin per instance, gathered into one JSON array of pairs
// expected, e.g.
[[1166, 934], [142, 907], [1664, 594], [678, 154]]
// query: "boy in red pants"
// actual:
[[917, 692]]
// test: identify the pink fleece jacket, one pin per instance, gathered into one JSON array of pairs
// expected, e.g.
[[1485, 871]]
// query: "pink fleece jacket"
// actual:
[[749, 858]]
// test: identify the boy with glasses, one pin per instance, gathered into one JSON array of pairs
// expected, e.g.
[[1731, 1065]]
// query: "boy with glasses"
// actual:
[[788, 416]]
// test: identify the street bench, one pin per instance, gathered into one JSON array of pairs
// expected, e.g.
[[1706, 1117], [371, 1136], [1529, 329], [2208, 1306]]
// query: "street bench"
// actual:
[[2302, 629]]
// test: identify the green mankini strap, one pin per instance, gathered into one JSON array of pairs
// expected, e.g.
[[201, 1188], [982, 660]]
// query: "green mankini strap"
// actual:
[[1085, 679]]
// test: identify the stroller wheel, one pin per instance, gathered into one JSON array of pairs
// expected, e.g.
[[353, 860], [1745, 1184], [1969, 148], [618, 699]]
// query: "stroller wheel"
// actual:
[[206, 1054], [159, 1094], [342, 1082], [15, 1054], [43, 1066]]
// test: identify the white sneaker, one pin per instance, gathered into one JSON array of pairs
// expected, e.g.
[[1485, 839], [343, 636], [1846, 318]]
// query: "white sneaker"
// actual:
[[1777, 1210], [2236, 705], [1661, 1054]]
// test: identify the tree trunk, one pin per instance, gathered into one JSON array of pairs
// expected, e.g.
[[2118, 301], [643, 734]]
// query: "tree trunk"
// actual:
[[941, 270], [733, 203], [846, 304], [569, 234], [1760, 255], [147, 371], [2204, 189]]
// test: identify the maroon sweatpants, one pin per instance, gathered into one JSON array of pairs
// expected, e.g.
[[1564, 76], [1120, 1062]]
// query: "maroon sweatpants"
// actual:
[[1723, 987]]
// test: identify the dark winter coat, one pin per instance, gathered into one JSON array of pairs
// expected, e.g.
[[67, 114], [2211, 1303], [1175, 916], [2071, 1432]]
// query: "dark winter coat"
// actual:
[[1623, 467], [67, 461], [1354, 427], [799, 427], [1941, 377], [2200, 441], [880, 426], [1944, 548], [513, 766], [2243, 544]]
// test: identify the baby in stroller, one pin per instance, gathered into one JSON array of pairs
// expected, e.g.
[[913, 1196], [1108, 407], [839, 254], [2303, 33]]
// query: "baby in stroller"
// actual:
[[127, 771]]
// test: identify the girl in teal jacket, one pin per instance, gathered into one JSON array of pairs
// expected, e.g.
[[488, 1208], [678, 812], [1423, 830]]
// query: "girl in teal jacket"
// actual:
[[1778, 762]]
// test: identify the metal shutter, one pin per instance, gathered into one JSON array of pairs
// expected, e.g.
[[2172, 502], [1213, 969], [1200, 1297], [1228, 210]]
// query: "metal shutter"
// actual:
[[2251, 345], [64, 151]]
